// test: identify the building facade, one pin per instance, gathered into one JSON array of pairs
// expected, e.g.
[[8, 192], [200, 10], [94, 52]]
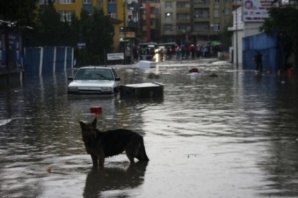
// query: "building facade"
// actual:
[[194, 20], [180, 21]]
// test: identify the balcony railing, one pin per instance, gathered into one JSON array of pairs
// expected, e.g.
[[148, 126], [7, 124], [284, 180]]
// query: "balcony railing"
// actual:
[[183, 10]]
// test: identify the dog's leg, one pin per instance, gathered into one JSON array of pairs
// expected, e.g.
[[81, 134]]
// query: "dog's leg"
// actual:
[[101, 159], [130, 154], [94, 160]]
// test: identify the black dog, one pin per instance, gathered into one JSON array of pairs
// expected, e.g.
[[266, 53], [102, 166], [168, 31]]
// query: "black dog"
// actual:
[[113, 142]]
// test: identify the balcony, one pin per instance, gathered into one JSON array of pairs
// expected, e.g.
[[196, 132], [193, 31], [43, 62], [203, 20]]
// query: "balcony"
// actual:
[[168, 20], [205, 4], [183, 21], [202, 19], [169, 32], [153, 16], [183, 10]]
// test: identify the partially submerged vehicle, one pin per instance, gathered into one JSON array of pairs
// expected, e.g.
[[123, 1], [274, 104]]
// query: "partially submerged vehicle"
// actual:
[[94, 80]]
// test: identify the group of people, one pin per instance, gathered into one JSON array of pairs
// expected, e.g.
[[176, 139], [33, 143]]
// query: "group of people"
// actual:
[[162, 53], [183, 52]]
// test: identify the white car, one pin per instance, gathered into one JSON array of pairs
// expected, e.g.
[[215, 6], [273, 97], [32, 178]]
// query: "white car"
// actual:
[[94, 80]]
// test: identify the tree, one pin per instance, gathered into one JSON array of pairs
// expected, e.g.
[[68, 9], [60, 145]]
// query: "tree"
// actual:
[[22, 12], [101, 36], [283, 20], [97, 32], [50, 30]]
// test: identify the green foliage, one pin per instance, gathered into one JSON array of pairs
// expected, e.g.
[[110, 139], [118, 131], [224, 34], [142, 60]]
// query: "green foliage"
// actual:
[[283, 20], [22, 11], [50, 30], [226, 38], [97, 32]]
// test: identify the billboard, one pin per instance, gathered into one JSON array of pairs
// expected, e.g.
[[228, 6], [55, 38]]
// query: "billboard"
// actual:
[[256, 10]]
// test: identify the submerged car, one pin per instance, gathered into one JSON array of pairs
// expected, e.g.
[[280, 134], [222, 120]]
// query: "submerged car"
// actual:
[[94, 80]]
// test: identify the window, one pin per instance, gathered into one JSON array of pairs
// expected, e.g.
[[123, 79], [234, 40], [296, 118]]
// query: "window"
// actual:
[[216, 26], [43, 2], [201, 13], [216, 1], [168, 4], [66, 15], [168, 27], [216, 13], [201, 2], [181, 5], [87, 2], [183, 28], [66, 1], [201, 27], [113, 15], [111, 1], [227, 11], [182, 16]]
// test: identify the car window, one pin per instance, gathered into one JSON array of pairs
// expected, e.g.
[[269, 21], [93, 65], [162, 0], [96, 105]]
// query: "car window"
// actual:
[[80, 75], [103, 74], [94, 74]]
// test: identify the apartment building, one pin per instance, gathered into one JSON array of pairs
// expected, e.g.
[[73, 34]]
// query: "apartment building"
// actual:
[[150, 24], [179, 21], [194, 20]]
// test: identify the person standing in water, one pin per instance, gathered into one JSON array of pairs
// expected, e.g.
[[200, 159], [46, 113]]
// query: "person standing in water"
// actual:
[[258, 61]]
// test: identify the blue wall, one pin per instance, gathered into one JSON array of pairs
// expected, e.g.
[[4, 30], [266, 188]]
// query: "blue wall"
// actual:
[[47, 60], [268, 46]]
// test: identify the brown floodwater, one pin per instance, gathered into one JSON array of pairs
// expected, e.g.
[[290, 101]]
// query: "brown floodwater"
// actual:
[[233, 135]]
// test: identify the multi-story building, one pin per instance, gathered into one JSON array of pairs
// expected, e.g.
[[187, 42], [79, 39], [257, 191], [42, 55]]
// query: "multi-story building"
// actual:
[[194, 20], [180, 21], [150, 25]]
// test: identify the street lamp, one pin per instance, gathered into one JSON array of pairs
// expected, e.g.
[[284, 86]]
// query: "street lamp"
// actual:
[[236, 27], [124, 20], [124, 31], [141, 11]]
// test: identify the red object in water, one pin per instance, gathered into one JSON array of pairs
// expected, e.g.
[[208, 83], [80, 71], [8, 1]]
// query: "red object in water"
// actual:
[[96, 109], [194, 70], [289, 71]]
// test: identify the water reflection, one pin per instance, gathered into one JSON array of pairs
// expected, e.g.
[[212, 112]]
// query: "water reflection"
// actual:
[[112, 181]]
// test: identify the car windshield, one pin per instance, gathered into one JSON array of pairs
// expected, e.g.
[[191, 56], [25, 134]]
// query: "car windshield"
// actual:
[[94, 74]]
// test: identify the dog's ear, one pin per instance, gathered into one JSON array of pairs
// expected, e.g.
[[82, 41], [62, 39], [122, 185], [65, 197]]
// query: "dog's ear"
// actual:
[[83, 124], [94, 122]]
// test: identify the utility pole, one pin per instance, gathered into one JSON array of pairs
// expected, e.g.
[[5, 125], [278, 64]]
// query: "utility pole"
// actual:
[[124, 19], [124, 31], [236, 27]]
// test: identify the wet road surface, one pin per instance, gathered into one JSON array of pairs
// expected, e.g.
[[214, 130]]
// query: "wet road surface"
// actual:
[[234, 135]]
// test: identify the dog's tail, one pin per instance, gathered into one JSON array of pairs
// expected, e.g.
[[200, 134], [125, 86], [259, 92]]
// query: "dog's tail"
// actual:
[[142, 155]]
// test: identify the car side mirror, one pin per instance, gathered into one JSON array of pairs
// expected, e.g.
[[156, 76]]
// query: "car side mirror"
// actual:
[[117, 79], [70, 78]]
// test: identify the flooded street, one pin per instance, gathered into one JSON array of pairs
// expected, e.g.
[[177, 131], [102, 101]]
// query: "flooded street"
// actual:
[[233, 135]]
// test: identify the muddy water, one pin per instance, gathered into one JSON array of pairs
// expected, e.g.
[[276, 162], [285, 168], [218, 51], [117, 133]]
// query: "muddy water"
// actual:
[[234, 135]]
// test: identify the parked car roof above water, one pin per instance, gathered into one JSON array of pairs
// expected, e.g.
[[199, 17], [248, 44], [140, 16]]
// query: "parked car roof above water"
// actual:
[[94, 80]]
